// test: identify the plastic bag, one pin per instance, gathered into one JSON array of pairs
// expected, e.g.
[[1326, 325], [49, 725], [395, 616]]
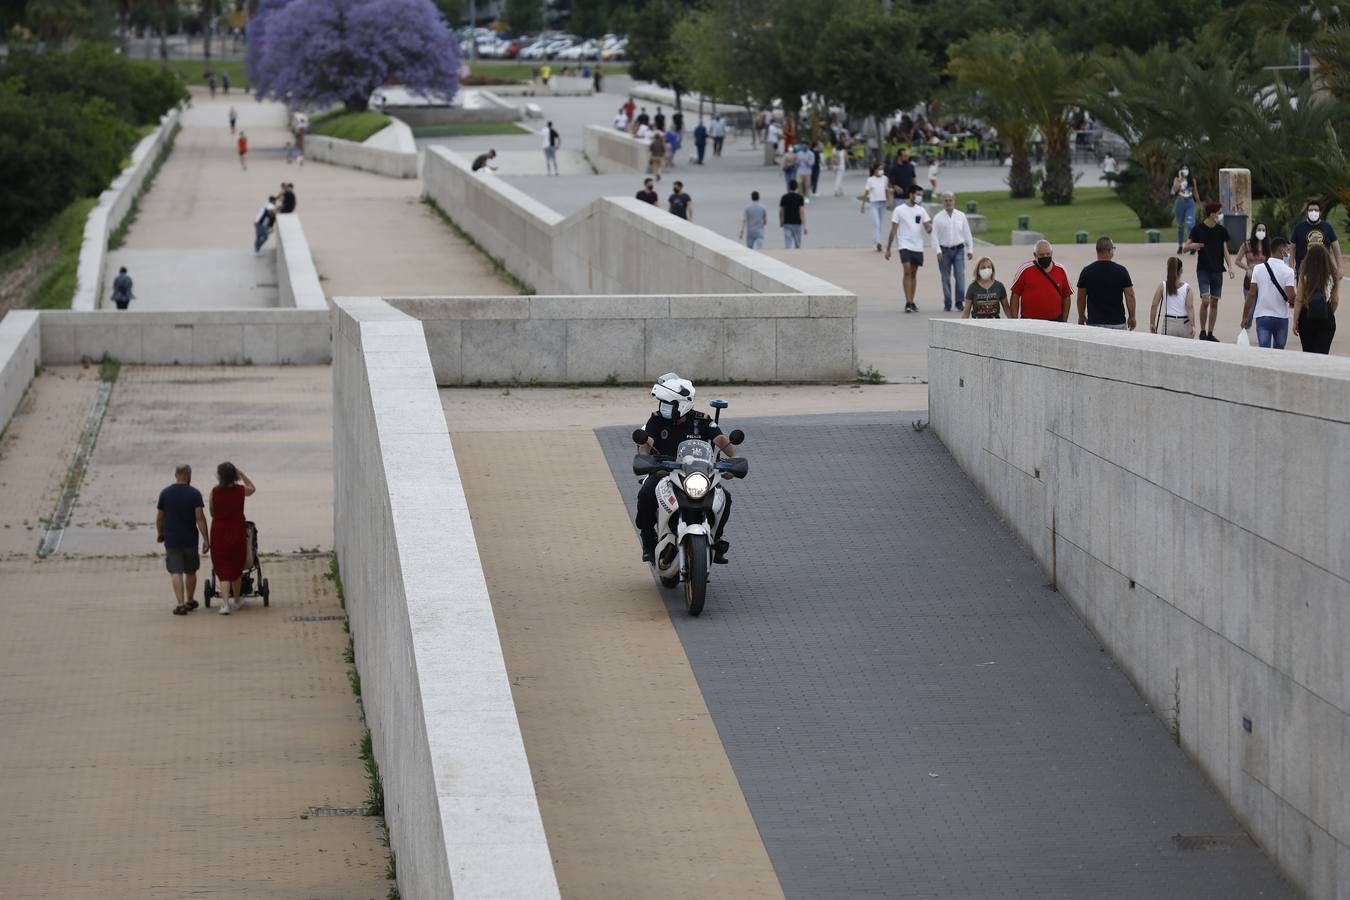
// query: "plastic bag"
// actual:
[[1244, 339]]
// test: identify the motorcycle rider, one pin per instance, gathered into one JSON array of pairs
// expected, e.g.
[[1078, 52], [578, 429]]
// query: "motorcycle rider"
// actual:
[[676, 420]]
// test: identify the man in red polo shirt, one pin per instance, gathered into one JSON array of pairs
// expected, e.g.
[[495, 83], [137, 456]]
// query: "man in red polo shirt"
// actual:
[[1041, 290]]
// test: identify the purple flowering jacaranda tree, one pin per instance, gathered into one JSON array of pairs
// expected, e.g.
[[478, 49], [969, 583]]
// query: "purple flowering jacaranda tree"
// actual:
[[314, 52]]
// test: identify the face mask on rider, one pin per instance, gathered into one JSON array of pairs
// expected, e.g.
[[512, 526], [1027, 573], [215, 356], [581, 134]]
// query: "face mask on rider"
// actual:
[[665, 410], [986, 273]]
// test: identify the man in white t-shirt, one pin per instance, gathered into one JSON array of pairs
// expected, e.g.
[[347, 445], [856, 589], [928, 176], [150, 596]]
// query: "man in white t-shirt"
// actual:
[[912, 223], [1270, 296]]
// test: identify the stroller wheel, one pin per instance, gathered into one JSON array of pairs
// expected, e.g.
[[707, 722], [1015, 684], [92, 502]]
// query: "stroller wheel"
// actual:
[[265, 591], [208, 591]]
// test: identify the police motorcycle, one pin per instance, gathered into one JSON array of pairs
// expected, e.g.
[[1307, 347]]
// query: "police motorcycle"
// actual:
[[690, 504]]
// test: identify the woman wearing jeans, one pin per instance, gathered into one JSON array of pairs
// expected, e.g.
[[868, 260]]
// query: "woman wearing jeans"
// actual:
[[1183, 189], [874, 201]]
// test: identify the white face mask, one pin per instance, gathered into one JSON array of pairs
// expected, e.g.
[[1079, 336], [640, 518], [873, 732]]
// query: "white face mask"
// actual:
[[1313, 215], [1185, 173], [1260, 235], [986, 273]]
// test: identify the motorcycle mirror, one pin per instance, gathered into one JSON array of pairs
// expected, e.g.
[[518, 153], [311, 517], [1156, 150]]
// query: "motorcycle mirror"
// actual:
[[737, 437], [719, 404], [639, 436]]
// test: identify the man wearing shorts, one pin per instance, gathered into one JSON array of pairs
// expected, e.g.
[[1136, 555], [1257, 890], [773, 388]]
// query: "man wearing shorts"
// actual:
[[179, 520], [911, 222], [1210, 240]]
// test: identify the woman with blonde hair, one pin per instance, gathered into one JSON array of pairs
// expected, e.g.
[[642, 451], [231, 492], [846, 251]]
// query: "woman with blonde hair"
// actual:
[[1175, 300], [985, 297], [1318, 293]]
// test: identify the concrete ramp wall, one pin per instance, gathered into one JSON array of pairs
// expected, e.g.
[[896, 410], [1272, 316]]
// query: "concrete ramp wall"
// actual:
[[459, 799], [20, 346], [1191, 500]]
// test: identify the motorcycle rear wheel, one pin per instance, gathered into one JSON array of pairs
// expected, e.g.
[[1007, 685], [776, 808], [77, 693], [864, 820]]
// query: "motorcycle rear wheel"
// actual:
[[696, 584]]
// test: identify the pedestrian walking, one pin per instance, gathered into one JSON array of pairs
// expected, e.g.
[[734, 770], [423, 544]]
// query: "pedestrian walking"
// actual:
[[659, 120], [225, 81], [677, 122], [1175, 301], [300, 143], [1040, 289], [718, 131], [875, 194], [672, 147], [1253, 252], [552, 140], [838, 162], [545, 73], [262, 224], [629, 108], [657, 150], [1105, 291], [596, 80], [1319, 293], [648, 193], [912, 224], [817, 160], [789, 164], [934, 170], [229, 550], [243, 150], [288, 200], [955, 247], [211, 84], [700, 141], [1184, 197], [753, 221], [806, 161], [178, 521], [1209, 240], [792, 216], [1270, 297], [1313, 230], [901, 175], [121, 289], [681, 205], [234, 117], [985, 297]]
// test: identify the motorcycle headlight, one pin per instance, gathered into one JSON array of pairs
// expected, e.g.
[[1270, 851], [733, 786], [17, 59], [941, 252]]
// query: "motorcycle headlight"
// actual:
[[696, 485]]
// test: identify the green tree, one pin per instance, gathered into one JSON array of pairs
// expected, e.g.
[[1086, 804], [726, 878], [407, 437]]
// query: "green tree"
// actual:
[[652, 51], [989, 73], [870, 62], [524, 16]]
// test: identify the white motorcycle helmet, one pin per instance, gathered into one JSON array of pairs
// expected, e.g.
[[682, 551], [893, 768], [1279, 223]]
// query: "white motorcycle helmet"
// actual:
[[674, 396]]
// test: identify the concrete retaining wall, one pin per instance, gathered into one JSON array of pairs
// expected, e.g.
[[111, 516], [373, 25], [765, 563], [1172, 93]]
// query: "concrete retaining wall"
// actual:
[[19, 354], [367, 158], [189, 337], [494, 109], [113, 206], [1191, 501], [297, 279], [610, 150], [459, 799], [551, 340]]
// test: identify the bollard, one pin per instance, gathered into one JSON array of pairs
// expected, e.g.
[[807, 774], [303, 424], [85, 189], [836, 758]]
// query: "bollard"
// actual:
[[1152, 234], [1080, 237], [927, 195], [972, 207], [1024, 223]]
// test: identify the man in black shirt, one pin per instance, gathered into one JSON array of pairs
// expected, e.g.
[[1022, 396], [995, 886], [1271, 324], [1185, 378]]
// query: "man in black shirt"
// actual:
[[484, 161], [792, 217], [648, 193], [1210, 240], [1313, 229], [901, 176], [676, 420], [1105, 291], [681, 204]]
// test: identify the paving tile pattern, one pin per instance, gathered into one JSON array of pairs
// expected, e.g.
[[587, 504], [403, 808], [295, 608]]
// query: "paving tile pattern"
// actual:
[[910, 710]]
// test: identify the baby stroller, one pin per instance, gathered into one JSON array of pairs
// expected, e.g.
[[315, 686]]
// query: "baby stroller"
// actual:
[[251, 582]]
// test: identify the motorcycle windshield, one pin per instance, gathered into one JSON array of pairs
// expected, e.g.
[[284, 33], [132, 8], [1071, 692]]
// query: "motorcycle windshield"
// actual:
[[694, 456]]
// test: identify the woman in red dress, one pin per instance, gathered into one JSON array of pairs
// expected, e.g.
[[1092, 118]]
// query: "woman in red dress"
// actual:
[[229, 540]]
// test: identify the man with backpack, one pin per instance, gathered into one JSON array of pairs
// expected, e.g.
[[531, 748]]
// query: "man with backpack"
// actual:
[[121, 292], [551, 143]]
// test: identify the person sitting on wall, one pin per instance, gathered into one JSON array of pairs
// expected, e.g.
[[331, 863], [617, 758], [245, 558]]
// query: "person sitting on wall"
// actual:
[[484, 161]]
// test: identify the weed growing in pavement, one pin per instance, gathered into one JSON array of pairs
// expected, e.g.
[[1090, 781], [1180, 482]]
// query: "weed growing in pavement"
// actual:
[[521, 287], [109, 369], [374, 786], [871, 375]]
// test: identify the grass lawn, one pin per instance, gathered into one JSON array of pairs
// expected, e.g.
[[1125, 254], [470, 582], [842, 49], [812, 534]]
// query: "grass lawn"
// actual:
[[355, 126], [510, 70], [1096, 210], [194, 70], [40, 274], [467, 129]]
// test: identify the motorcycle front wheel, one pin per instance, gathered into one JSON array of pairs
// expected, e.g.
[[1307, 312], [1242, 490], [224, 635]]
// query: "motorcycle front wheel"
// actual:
[[696, 584]]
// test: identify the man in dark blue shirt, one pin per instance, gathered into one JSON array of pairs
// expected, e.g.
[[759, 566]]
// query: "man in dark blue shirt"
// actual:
[[177, 524]]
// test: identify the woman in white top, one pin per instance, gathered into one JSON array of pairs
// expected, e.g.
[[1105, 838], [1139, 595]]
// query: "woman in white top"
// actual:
[[1175, 300], [874, 201], [839, 162]]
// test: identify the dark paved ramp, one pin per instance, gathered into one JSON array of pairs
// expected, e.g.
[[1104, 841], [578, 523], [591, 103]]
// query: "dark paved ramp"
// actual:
[[910, 711]]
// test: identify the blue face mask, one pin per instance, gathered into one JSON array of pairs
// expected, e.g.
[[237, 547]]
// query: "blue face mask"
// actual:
[[666, 410]]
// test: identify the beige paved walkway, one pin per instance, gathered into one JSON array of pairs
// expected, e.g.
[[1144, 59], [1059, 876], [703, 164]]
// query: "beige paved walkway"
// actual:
[[192, 243], [637, 795], [145, 755]]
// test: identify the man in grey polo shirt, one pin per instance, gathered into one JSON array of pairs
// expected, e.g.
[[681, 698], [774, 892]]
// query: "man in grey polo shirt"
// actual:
[[177, 524], [752, 223]]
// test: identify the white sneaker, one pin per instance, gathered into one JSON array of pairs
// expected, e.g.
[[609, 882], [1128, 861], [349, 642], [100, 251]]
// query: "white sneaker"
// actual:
[[224, 609]]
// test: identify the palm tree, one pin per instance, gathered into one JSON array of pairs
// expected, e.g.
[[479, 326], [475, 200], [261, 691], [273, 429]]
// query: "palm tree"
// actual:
[[986, 87]]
